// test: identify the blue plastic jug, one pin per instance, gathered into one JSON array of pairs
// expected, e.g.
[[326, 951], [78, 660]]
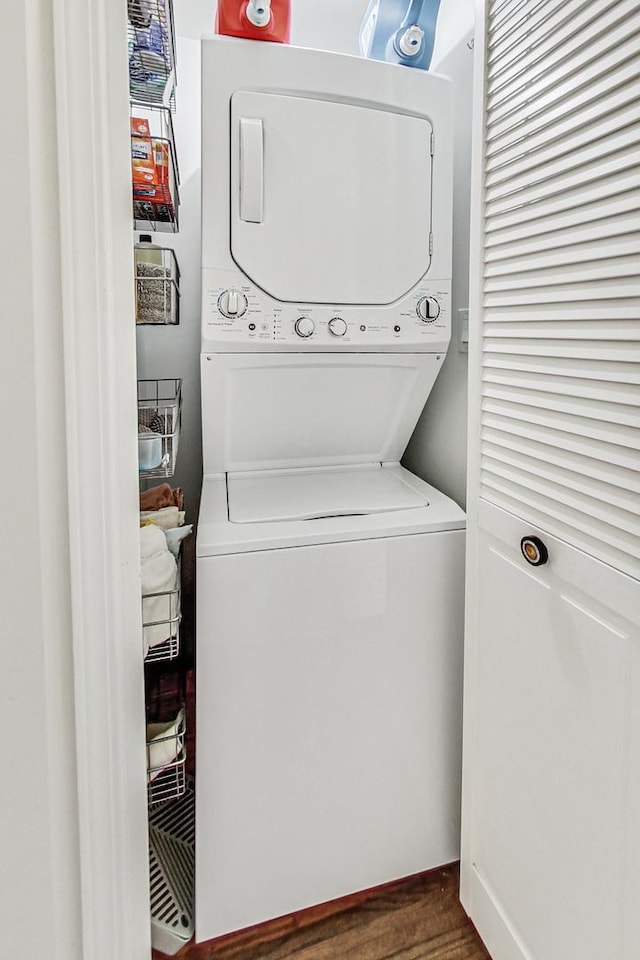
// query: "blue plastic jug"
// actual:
[[400, 31]]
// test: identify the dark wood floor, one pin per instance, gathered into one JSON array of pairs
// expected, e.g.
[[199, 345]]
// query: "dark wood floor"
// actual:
[[416, 919]]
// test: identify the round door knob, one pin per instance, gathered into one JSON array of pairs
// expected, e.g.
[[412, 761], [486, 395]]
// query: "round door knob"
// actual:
[[337, 326], [428, 309], [534, 551], [304, 327], [232, 304]]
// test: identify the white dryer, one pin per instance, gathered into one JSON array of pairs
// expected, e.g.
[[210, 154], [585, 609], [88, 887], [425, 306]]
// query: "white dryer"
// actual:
[[329, 578]]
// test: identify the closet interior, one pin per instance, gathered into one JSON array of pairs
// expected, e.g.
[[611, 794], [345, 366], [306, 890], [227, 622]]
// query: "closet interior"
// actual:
[[166, 540]]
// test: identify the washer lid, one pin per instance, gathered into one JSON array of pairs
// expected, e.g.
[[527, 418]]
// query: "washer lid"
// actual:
[[313, 494], [284, 411]]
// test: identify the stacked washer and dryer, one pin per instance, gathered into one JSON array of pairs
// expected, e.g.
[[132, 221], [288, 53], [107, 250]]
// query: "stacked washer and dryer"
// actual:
[[329, 578]]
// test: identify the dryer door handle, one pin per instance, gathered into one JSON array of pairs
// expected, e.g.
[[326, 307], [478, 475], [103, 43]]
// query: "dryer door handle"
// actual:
[[251, 170]]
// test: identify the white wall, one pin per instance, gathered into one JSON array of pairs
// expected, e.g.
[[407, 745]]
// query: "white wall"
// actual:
[[327, 24], [437, 451]]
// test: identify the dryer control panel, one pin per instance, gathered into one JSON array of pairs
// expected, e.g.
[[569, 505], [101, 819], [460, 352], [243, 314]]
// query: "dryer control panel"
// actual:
[[239, 317]]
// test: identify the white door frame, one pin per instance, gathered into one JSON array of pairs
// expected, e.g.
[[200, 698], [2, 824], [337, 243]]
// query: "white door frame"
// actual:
[[474, 416], [93, 155]]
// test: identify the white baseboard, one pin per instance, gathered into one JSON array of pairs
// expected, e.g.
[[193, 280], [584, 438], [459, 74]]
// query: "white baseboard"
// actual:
[[487, 917]]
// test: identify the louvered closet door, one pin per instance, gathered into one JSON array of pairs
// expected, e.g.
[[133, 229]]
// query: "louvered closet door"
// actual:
[[551, 842]]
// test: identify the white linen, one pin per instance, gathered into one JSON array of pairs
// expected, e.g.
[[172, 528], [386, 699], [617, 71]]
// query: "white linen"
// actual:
[[159, 574]]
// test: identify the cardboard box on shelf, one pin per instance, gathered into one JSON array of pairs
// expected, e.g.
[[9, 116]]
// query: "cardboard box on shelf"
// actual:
[[142, 154], [161, 160]]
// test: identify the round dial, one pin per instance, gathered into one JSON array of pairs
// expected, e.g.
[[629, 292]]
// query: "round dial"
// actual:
[[337, 326], [232, 303], [428, 309], [304, 326]]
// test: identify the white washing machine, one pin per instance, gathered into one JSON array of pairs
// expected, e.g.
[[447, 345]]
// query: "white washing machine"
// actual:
[[329, 578]]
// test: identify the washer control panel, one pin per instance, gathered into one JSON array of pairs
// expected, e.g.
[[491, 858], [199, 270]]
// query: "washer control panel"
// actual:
[[232, 303], [238, 316], [428, 309], [338, 327], [304, 327]]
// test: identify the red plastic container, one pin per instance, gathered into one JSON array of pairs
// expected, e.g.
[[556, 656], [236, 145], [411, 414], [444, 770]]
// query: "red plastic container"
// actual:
[[232, 20]]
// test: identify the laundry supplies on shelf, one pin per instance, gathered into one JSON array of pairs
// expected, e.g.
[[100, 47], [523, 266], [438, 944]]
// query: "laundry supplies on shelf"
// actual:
[[151, 48], [149, 448], [155, 204], [157, 283], [154, 171], [400, 31], [255, 19]]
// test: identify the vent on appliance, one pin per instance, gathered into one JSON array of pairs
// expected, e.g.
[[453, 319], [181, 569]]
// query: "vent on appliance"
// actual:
[[172, 866]]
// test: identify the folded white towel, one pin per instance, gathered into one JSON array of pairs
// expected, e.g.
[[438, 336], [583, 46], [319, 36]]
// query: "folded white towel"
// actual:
[[159, 573], [164, 743], [152, 540], [166, 517]]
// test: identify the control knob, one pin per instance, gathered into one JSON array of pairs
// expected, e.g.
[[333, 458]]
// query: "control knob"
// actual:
[[428, 309], [304, 327], [337, 326], [232, 304]]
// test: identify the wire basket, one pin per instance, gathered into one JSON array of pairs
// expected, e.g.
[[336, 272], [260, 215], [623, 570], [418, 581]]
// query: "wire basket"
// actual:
[[157, 287], [162, 613], [152, 52], [154, 168], [172, 872], [166, 759], [159, 415]]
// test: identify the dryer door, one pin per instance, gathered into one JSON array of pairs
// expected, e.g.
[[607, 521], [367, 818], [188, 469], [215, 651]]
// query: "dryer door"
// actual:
[[330, 202]]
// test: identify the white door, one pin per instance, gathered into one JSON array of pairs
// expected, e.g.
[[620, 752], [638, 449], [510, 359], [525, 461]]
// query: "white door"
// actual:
[[551, 818], [330, 202]]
